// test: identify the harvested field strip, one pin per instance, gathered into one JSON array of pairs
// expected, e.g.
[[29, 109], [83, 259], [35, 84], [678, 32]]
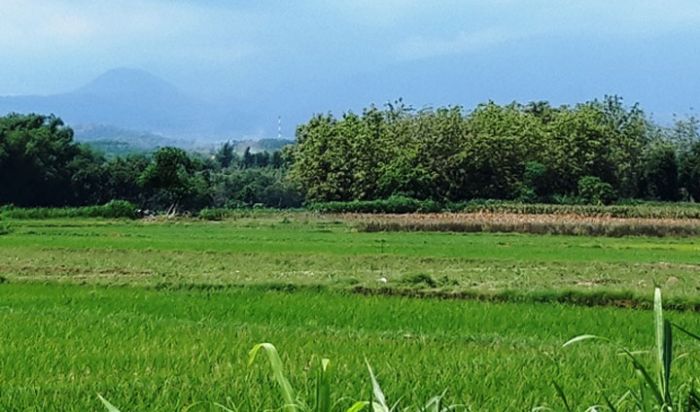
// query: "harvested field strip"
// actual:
[[565, 224]]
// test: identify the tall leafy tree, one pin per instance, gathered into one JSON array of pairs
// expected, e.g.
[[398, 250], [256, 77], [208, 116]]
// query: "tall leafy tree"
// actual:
[[226, 155], [37, 160], [170, 173]]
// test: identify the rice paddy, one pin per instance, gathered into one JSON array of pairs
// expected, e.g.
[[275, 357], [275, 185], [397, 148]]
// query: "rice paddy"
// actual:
[[160, 315]]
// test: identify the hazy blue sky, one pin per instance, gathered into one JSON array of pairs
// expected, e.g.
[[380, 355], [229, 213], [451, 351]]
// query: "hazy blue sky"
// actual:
[[319, 55]]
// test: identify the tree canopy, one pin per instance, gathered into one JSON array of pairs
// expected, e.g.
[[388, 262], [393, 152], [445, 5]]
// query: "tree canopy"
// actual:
[[596, 152]]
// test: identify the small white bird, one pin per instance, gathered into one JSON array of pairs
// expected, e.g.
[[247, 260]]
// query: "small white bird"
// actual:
[[382, 280]]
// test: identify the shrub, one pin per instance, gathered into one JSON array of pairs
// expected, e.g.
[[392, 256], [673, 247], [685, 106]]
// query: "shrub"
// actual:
[[116, 209], [594, 191], [394, 204], [214, 213], [112, 210], [420, 279], [5, 228]]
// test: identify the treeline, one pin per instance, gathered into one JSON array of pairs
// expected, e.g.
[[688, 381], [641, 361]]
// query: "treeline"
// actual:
[[595, 152], [41, 165]]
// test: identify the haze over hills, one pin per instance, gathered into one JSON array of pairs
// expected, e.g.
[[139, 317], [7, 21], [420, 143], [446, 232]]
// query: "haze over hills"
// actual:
[[135, 104]]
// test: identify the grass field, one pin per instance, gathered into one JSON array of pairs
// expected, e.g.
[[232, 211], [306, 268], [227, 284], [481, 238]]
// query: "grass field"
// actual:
[[302, 250], [165, 350], [134, 310]]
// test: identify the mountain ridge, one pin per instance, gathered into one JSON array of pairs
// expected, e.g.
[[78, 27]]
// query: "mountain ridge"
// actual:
[[135, 99]]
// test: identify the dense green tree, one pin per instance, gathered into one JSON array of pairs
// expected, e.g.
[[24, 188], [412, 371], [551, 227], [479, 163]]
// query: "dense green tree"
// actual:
[[690, 171], [536, 182], [659, 172], [492, 159], [261, 159], [248, 158], [170, 173], [449, 154], [595, 151], [254, 186], [37, 160], [226, 155], [122, 178], [88, 176], [321, 157], [277, 160]]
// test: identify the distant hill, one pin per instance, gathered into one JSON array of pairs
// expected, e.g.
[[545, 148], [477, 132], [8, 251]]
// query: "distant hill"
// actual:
[[262, 145], [131, 99], [114, 141]]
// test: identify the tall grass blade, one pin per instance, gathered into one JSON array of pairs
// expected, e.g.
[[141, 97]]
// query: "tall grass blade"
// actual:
[[323, 387], [357, 406], [378, 399], [668, 359], [562, 396], [693, 402], [646, 376], [434, 404], [686, 331], [638, 366], [222, 407], [664, 343], [582, 338], [609, 403], [278, 373], [107, 404]]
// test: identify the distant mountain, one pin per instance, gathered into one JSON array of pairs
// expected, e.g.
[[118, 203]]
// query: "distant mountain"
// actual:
[[261, 145], [113, 141], [136, 100]]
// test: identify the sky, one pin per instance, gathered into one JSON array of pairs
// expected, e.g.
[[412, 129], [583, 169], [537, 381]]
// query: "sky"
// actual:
[[296, 58]]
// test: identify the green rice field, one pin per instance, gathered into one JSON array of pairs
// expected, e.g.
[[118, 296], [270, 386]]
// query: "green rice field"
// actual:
[[160, 315]]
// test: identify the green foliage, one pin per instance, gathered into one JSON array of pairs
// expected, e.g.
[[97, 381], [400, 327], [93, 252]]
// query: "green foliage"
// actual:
[[528, 152], [594, 191], [690, 171], [531, 153], [5, 228], [40, 165], [267, 187], [226, 155], [654, 392], [112, 210], [48, 169], [536, 182], [170, 171], [659, 179], [394, 204]]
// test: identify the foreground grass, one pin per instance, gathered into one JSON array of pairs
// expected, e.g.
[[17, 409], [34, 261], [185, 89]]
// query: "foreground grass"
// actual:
[[142, 349], [303, 250]]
